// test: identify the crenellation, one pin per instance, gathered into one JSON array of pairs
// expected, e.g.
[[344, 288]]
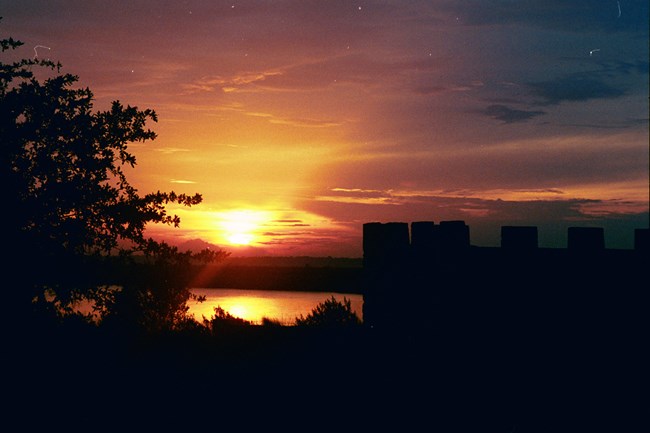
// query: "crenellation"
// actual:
[[437, 264]]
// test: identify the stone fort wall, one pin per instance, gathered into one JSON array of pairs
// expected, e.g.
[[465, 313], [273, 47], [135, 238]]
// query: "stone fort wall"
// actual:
[[416, 274]]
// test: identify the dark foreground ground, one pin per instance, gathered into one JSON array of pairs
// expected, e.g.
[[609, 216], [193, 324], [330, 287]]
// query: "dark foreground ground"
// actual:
[[538, 351], [286, 379]]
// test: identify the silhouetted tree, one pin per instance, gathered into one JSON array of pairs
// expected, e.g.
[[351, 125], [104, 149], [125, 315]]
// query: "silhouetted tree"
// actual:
[[330, 313], [69, 206], [224, 321]]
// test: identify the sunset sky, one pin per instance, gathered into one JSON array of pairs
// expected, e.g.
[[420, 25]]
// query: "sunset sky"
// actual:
[[298, 121]]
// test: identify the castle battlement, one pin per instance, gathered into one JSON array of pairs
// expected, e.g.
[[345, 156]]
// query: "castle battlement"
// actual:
[[432, 263]]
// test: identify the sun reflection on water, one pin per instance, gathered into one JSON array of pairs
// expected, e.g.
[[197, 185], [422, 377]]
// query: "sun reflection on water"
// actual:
[[256, 305]]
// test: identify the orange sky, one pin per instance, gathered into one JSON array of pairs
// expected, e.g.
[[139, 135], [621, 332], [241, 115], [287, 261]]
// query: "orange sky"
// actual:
[[299, 121]]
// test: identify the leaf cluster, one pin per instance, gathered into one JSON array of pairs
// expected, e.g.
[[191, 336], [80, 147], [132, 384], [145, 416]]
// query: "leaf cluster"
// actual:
[[223, 321], [63, 165], [330, 313], [70, 206]]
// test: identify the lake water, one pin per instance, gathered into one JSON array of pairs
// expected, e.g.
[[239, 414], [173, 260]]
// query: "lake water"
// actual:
[[254, 305]]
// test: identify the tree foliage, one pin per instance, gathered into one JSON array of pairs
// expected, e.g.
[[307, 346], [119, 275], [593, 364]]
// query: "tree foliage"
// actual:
[[330, 313], [70, 208], [223, 321]]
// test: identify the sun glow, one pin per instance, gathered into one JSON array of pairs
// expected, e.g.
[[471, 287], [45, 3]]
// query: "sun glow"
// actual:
[[276, 230], [240, 238], [239, 310], [241, 227]]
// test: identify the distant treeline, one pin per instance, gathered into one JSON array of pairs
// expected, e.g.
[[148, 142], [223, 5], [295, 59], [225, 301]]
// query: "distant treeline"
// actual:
[[322, 274], [296, 261], [341, 279]]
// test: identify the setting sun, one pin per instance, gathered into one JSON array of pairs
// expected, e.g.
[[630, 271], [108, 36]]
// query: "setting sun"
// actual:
[[240, 238], [241, 227], [239, 310]]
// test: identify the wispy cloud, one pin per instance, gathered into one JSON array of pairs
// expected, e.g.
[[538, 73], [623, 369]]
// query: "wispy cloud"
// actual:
[[227, 84], [405, 196], [298, 122], [432, 90], [170, 150], [288, 223], [358, 200], [510, 115]]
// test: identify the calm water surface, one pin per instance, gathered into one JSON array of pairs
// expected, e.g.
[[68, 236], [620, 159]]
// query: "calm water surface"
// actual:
[[254, 305]]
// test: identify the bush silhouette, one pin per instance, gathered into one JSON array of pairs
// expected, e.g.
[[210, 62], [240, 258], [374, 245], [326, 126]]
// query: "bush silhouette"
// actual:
[[329, 314], [223, 320], [270, 322]]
